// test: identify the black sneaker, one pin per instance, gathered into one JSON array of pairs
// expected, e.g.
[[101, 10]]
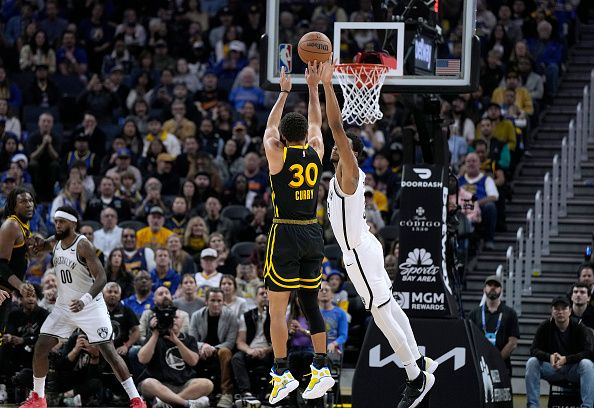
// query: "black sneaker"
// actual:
[[412, 395]]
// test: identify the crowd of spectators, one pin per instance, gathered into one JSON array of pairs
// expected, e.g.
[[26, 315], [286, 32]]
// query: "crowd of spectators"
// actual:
[[562, 350], [146, 117]]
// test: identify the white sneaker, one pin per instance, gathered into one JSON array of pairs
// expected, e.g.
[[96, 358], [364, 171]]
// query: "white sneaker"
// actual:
[[226, 401], [160, 404], [202, 402], [321, 381], [75, 401], [283, 385]]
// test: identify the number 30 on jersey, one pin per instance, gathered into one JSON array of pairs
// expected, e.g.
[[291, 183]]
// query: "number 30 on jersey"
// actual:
[[308, 176]]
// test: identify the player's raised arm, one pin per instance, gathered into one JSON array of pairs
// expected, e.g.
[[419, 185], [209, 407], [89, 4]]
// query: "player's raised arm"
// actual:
[[349, 168], [314, 112], [273, 146], [87, 251]]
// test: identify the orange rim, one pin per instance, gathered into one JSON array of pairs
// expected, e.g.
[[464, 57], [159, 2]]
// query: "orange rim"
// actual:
[[362, 67]]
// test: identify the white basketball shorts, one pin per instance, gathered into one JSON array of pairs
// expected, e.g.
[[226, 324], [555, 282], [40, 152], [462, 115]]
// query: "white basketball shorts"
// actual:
[[365, 267], [94, 320]]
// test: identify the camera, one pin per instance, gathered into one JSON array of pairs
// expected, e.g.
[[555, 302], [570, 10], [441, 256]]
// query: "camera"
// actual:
[[165, 316]]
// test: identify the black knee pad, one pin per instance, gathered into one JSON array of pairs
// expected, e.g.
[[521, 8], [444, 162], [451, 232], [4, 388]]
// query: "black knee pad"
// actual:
[[311, 310]]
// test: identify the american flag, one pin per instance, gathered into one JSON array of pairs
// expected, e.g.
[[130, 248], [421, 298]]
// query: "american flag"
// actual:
[[447, 67]]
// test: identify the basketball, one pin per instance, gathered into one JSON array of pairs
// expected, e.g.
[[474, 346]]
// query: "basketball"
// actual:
[[314, 46]]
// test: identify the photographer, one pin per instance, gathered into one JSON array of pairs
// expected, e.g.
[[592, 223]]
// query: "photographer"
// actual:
[[22, 331], [170, 357], [162, 299], [79, 368]]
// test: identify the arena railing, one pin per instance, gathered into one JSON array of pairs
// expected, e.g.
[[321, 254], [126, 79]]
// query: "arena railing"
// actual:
[[524, 259]]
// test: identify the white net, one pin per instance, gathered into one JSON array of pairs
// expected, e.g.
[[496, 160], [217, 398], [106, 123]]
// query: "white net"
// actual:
[[361, 85]]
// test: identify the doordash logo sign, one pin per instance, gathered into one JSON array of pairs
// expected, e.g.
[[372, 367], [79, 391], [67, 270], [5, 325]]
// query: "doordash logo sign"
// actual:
[[423, 174]]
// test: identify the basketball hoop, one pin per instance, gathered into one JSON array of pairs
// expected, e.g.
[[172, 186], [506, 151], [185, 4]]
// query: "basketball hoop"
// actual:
[[361, 85]]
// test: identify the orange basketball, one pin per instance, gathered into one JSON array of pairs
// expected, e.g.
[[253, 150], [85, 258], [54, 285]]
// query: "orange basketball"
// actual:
[[314, 46]]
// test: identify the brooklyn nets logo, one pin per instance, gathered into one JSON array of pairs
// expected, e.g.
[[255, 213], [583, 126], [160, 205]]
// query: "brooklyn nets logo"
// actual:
[[102, 332]]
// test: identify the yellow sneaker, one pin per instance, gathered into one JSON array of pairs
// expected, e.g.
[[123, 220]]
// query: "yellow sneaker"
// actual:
[[282, 386], [321, 381]]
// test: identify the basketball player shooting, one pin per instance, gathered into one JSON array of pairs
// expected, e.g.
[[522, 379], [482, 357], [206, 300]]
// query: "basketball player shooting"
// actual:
[[294, 149], [79, 304], [363, 254]]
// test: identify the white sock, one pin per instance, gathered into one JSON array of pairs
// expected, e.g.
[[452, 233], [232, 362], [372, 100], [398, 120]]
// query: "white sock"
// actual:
[[130, 388], [412, 369], [39, 386], [386, 322], [402, 320]]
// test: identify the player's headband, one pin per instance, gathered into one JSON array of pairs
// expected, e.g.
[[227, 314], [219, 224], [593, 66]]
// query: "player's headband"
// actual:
[[65, 215]]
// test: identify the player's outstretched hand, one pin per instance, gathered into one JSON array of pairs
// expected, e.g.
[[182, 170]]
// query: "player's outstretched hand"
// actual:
[[285, 81], [76, 305], [326, 72], [3, 296], [312, 73], [36, 243]]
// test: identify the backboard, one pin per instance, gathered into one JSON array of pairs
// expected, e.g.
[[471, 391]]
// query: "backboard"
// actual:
[[435, 49]]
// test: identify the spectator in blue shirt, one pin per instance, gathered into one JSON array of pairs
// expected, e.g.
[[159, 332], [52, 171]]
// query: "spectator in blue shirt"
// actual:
[[16, 24], [70, 58], [337, 326], [547, 53], [246, 91], [228, 68], [52, 24], [142, 299], [164, 274]]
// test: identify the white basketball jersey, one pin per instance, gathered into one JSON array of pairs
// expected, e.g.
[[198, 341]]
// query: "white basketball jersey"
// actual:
[[347, 214], [74, 278]]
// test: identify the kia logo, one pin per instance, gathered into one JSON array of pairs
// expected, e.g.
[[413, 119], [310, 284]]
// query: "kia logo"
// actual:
[[423, 174]]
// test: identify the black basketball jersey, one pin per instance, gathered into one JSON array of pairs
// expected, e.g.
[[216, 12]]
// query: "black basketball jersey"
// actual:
[[295, 187], [18, 259]]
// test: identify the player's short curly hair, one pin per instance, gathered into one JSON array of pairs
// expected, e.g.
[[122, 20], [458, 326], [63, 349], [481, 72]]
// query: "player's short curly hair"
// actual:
[[293, 127], [357, 143]]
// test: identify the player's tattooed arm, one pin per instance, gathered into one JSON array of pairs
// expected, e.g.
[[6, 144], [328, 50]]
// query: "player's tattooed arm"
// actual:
[[87, 251], [348, 173]]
